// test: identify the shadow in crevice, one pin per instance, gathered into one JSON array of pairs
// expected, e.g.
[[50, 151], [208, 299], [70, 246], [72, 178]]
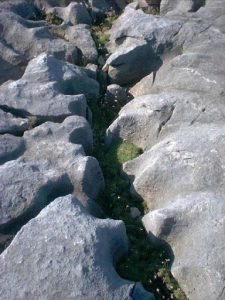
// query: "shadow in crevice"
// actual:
[[197, 4], [149, 262], [11, 72]]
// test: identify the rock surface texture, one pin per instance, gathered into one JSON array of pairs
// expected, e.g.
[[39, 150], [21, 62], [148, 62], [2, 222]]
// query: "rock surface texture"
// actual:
[[177, 118], [49, 90], [71, 257], [25, 32]]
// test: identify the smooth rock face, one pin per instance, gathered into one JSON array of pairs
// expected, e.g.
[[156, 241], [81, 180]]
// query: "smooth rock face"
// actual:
[[65, 253], [177, 117], [141, 120], [50, 89]]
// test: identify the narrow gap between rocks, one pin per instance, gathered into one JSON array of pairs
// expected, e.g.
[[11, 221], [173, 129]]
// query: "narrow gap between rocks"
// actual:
[[144, 262]]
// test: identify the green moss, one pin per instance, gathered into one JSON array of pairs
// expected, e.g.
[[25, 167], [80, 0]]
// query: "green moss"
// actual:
[[127, 151], [100, 33], [100, 37], [53, 19]]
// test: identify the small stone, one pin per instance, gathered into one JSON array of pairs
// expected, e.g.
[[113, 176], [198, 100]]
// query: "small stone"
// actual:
[[135, 212], [101, 60], [115, 94]]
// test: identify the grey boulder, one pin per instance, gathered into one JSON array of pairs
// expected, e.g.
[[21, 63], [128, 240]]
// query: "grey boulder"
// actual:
[[52, 164], [136, 40], [147, 119], [72, 256], [180, 6], [115, 94], [131, 61], [189, 225], [75, 13], [177, 165], [177, 117], [80, 36], [25, 189], [28, 38], [49, 89]]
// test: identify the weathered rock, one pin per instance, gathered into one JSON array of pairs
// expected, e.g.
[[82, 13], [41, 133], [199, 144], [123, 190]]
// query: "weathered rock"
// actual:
[[136, 39], [52, 164], [179, 165], [12, 64], [99, 8], [74, 129], [49, 89], [72, 256], [187, 165], [141, 120], [92, 70], [177, 117], [180, 5], [194, 70], [28, 38], [115, 94], [135, 212], [44, 4], [131, 61], [11, 124], [193, 225], [10, 147], [80, 36], [25, 189], [75, 13], [148, 119]]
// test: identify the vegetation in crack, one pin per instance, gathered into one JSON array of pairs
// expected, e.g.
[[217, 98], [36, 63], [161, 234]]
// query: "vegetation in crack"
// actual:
[[51, 18], [144, 261], [101, 36], [151, 7]]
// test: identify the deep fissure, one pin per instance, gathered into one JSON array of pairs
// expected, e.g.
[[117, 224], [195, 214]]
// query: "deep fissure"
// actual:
[[144, 262]]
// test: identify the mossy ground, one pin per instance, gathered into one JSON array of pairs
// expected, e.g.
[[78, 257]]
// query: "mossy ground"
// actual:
[[144, 262]]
